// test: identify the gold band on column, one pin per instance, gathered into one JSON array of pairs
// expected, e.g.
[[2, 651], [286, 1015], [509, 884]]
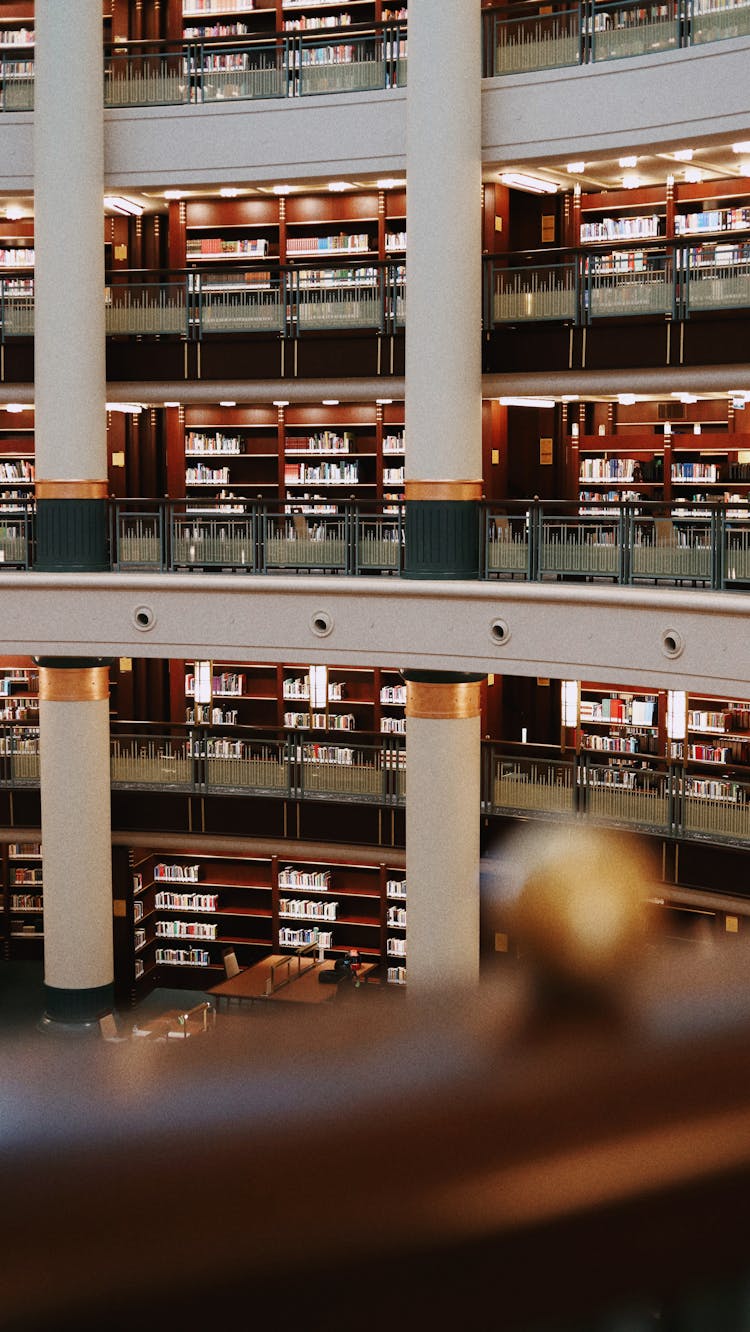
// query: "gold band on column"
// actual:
[[76, 684], [443, 490], [71, 489], [450, 702]]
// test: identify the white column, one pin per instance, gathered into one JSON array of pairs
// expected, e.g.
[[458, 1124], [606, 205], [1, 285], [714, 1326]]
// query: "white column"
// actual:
[[443, 181], [442, 834], [76, 841], [70, 376]]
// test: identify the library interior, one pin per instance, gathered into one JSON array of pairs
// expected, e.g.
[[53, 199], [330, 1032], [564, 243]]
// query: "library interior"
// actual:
[[283, 497]]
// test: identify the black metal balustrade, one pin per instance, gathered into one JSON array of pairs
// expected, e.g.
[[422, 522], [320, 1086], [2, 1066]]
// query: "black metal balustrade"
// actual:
[[679, 543]]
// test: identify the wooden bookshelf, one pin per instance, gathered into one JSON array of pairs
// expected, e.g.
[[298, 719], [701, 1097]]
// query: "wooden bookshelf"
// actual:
[[23, 899]]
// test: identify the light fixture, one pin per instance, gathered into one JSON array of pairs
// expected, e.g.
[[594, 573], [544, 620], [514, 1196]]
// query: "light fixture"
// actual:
[[568, 397], [228, 192], [744, 168], [318, 686], [129, 408], [203, 671], [676, 714], [697, 428], [16, 407], [520, 181], [626, 399], [575, 168], [627, 162], [281, 189], [173, 194], [281, 402], [741, 148], [570, 696], [339, 185], [526, 402], [171, 404], [384, 402], [119, 204], [667, 429], [685, 397], [693, 175], [330, 402], [14, 212], [390, 184], [226, 402], [575, 430], [631, 180], [683, 155]]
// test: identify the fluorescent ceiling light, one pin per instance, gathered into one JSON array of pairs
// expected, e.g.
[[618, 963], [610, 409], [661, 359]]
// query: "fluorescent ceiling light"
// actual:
[[389, 184], [226, 402], [741, 148], [575, 168], [628, 162], [173, 194], [171, 404], [130, 408], [119, 204], [338, 185], [383, 402], [631, 180], [683, 155], [520, 181], [281, 402], [569, 397], [228, 192], [685, 397], [16, 407], [693, 175], [330, 402], [626, 399], [14, 212], [526, 402], [744, 168], [281, 189]]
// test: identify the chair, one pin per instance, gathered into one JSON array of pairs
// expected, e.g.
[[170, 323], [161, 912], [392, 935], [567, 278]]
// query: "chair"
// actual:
[[231, 965], [108, 1028]]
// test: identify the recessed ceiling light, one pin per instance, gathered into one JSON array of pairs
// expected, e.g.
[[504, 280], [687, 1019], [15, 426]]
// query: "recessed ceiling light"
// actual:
[[15, 407], [693, 175], [226, 403], [744, 168], [685, 397], [330, 402], [171, 404], [575, 168], [526, 402], [173, 194], [338, 185], [281, 189], [281, 402], [383, 402], [683, 155], [119, 204], [741, 148], [631, 180], [628, 162], [228, 192], [129, 408], [533, 184], [626, 399], [14, 212], [389, 183]]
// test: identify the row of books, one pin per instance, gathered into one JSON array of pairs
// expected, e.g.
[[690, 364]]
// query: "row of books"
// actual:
[[396, 948], [177, 873], [210, 245], [18, 470], [397, 975], [298, 687], [729, 719], [289, 938], [291, 877], [24, 850], [393, 444], [186, 901], [204, 476], [200, 442], [227, 682], [26, 875], [712, 219], [183, 929], [734, 753], [25, 902], [325, 474], [395, 887], [393, 694], [695, 471], [323, 441], [312, 22], [396, 918], [613, 744], [393, 726], [204, 715], [621, 228], [305, 908], [635, 711], [183, 957], [16, 256], [338, 244]]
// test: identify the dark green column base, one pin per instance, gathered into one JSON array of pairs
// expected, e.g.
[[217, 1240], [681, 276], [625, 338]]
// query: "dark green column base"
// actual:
[[76, 1009], [71, 535], [442, 539], [444, 677], [72, 663]]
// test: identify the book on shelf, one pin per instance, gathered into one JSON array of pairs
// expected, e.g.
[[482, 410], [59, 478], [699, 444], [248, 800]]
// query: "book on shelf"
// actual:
[[177, 873], [396, 975], [396, 888], [396, 918], [182, 929], [396, 947], [291, 877], [186, 901], [183, 957], [303, 908], [289, 938]]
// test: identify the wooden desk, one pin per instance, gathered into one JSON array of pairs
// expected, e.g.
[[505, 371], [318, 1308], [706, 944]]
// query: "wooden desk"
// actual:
[[303, 987], [177, 1024]]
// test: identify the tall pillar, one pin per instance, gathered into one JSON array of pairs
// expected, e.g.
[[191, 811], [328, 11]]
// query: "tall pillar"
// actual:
[[71, 490], [443, 327], [69, 339], [443, 478], [76, 840]]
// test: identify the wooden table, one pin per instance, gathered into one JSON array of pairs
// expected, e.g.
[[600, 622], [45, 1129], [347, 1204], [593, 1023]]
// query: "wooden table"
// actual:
[[303, 986]]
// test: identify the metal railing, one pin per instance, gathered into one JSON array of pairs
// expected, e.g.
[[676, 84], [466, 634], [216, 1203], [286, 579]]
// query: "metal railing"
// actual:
[[620, 279], [286, 300], [519, 38], [699, 542]]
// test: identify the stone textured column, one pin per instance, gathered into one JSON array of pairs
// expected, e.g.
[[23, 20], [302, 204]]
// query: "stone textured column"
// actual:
[[69, 340], [76, 841], [444, 286], [442, 829]]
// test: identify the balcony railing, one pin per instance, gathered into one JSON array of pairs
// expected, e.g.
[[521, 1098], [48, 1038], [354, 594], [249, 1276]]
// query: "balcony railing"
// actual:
[[673, 543], [634, 278], [284, 300], [358, 58], [523, 37]]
